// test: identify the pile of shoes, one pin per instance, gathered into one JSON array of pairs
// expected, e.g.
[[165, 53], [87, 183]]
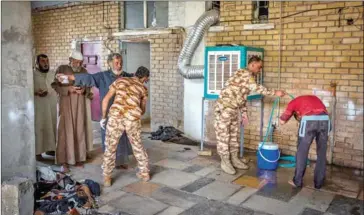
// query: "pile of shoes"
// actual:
[[64, 195]]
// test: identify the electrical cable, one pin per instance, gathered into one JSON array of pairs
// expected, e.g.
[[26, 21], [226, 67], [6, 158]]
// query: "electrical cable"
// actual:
[[304, 11]]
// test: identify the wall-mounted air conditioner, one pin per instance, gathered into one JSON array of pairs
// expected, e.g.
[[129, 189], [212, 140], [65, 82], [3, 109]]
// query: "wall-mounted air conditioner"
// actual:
[[221, 62]]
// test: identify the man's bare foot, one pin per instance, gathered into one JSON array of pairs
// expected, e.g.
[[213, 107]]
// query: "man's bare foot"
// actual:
[[292, 183], [80, 165], [122, 166]]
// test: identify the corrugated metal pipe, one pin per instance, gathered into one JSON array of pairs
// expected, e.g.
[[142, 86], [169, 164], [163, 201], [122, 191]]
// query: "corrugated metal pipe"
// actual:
[[193, 39]]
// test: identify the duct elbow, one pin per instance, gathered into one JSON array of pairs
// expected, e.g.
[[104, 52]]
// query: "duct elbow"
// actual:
[[194, 37]]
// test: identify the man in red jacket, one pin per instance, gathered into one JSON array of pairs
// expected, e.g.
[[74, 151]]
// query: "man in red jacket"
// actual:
[[314, 123]]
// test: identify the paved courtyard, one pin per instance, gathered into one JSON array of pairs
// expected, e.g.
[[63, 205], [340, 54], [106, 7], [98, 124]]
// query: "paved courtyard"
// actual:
[[185, 183]]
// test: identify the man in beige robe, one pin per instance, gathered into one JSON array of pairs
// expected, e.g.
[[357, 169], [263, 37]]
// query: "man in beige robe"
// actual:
[[74, 120], [44, 108]]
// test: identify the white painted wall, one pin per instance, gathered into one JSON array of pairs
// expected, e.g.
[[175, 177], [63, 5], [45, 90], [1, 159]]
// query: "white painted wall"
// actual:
[[193, 89]]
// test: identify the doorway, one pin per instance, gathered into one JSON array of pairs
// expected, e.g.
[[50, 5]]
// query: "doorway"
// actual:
[[92, 62], [136, 54]]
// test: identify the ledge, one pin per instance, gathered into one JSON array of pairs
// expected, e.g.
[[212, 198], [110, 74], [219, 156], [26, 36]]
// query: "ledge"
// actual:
[[259, 26], [216, 28], [138, 32]]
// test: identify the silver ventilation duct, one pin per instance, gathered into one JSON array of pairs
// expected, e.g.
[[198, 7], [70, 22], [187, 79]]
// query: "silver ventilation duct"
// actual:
[[193, 39]]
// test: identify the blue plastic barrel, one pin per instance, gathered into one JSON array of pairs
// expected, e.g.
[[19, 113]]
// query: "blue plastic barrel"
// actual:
[[268, 155]]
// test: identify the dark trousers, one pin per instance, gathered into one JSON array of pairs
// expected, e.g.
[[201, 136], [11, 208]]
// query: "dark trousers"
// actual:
[[123, 150], [317, 129]]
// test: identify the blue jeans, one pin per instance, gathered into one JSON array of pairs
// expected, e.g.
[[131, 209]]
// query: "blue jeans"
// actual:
[[318, 130], [123, 150]]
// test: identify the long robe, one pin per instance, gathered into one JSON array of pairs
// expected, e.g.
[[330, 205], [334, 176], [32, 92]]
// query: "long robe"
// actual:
[[45, 109], [74, 133]]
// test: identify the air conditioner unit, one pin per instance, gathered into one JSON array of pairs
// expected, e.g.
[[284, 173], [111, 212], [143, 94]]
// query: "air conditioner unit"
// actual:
[[221, 62]]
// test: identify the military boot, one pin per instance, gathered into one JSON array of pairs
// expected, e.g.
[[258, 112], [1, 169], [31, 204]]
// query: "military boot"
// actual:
[[244, 160], [143, 176], [226, 164], [237, 162], [107, 181]]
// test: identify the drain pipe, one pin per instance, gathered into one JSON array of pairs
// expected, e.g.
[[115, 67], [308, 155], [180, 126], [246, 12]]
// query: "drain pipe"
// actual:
[[279, 60], [194, 37], [333, 114]]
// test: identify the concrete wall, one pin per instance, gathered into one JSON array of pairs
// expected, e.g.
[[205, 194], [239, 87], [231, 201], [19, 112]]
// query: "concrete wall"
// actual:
[[176, 13], [38, 4], [316, 49], [17, 107], [194, 88]]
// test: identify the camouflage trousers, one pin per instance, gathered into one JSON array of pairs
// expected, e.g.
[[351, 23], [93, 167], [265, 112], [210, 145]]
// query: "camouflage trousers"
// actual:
[[114, 129], [227, 129]]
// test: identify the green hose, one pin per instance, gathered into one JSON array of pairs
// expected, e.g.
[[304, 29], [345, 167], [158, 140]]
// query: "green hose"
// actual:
[[290, 158]]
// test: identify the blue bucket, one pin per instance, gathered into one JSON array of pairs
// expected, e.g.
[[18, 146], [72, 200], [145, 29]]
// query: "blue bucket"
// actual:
[[268, 155]]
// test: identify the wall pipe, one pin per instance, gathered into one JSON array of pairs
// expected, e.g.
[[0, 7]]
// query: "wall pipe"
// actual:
[[193, 39], [279, 59], [333, 114]]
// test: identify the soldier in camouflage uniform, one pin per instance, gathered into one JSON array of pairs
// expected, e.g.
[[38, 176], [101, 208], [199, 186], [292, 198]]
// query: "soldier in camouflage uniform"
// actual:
[[125, 115], [231, 102]]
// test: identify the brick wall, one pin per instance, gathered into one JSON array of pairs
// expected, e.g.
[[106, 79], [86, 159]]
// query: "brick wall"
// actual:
[[315, 51], [166, 82], [55, 28]]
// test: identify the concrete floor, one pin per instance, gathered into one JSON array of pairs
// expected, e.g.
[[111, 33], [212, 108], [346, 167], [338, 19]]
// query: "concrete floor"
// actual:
[[185, 183]]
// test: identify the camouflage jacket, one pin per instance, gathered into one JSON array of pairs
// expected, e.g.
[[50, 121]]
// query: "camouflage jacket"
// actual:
[[236, 90]]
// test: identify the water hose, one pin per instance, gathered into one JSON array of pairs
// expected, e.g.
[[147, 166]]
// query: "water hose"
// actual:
[[290, 158]]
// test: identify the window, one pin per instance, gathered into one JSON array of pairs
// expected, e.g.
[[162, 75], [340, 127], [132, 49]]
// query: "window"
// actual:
[[213, 5], [260, 11], [145, 14]]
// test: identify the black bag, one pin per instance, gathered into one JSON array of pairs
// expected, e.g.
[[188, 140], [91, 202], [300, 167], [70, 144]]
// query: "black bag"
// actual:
[[93, 186]]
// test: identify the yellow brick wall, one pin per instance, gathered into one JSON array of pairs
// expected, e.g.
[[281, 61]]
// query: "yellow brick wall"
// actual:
[[55, 28], [315, 51]]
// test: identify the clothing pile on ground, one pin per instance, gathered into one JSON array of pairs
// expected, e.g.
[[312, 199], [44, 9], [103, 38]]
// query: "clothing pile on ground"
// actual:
[[171, 134], [57, 194], [165, 133]]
